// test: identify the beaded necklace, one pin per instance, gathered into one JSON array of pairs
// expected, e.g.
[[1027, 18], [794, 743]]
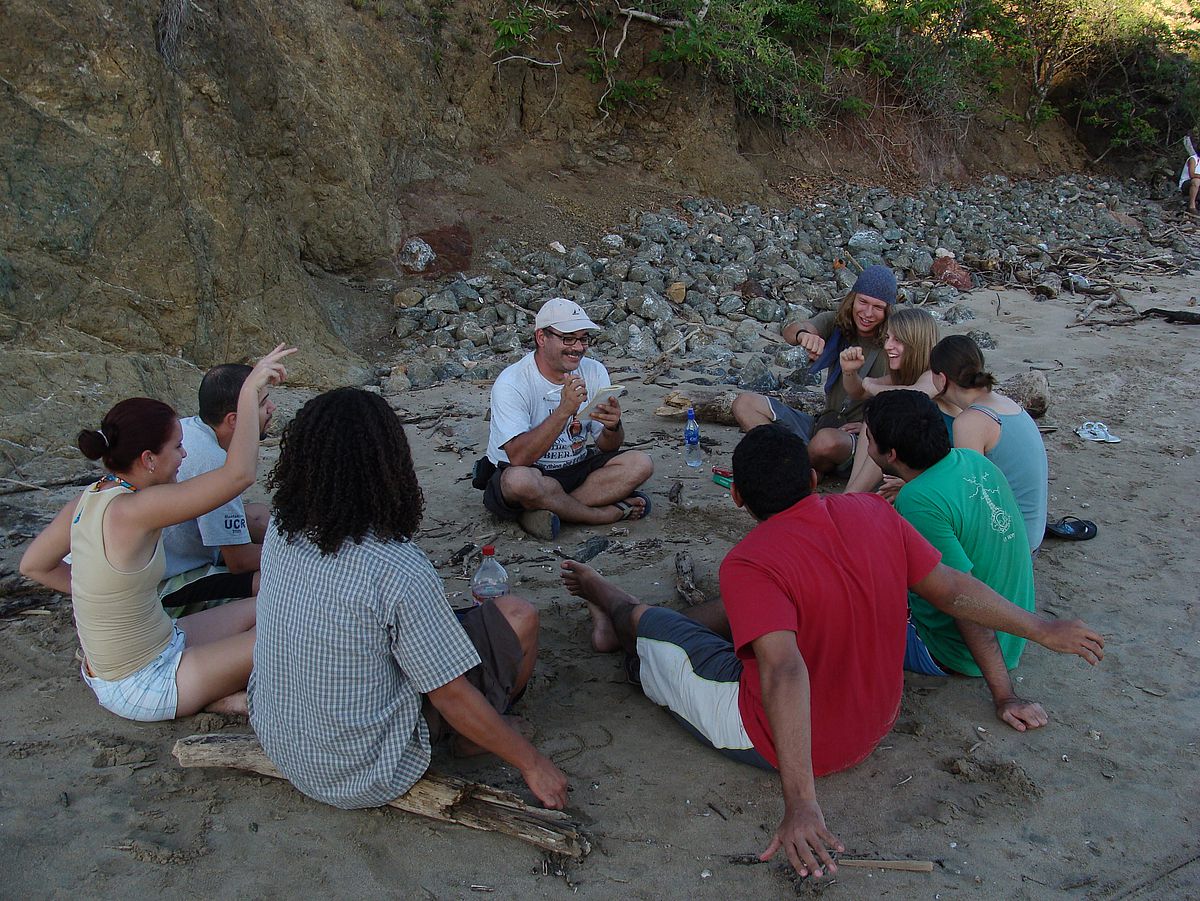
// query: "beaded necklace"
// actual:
[[109, 477], [100, 486]]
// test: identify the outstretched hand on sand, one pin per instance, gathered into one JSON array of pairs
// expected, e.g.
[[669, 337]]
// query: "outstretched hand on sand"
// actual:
[[1073, 637]]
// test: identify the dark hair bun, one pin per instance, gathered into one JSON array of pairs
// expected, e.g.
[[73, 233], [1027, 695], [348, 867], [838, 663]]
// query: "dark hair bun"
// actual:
[[92, 444]]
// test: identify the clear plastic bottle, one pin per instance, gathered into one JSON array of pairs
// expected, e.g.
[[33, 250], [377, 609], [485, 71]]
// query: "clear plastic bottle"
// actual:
[[692, 454], [490, 580]]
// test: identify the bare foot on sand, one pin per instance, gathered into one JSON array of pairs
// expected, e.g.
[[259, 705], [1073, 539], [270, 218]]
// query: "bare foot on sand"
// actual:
[[234, 704], [584, 582]]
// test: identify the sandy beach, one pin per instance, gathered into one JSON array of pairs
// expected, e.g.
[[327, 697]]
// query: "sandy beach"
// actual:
[[1103, 803]]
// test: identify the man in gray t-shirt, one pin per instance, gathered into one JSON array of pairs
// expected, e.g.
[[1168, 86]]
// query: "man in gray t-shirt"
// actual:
[[215, 556]]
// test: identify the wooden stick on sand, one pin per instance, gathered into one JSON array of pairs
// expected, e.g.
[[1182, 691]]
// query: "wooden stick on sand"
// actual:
[[443, 798], [908, 866]]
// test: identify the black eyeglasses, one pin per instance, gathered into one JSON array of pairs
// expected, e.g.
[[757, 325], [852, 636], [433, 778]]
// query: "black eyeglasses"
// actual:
[[570, 340]]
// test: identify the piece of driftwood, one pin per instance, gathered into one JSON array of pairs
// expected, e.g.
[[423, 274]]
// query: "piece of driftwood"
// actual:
[[591, 548], [710, 406], [1030, 390], [676, 493], [1115, 302], [685, 580], [19, 487], [1186, 316], [716, 406], [438, 797], [908, 866], [18, 597]]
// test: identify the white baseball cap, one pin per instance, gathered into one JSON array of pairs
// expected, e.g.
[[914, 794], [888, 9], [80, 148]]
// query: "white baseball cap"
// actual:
[[564, 315]]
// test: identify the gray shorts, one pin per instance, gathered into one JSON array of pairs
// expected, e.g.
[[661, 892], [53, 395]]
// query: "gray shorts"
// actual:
[[805, 425], [795, 421], [495, 676]]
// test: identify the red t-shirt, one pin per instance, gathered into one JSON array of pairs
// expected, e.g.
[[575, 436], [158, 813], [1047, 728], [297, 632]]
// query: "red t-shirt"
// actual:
[[835, 570]]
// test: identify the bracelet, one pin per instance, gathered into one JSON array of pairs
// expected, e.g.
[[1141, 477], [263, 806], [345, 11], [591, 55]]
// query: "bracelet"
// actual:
[[615, 428]]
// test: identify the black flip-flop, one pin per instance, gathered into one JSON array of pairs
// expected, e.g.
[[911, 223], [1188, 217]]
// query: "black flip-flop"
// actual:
[[1071, 528], [627, 509]]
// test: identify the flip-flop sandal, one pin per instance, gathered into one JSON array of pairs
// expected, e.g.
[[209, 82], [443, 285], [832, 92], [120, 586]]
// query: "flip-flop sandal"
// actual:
[[541, 524], [1097, 431], [627, 510], [1072, 528]]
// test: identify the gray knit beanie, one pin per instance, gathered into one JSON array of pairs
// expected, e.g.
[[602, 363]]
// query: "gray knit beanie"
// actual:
[[879, 282]]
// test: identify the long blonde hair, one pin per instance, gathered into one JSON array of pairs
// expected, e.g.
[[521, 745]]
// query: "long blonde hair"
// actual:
[[917, 330]]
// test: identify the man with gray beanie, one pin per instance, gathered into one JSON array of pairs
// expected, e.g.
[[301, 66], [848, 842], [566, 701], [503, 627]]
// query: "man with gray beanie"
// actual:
[[544, 471], [858, 322]]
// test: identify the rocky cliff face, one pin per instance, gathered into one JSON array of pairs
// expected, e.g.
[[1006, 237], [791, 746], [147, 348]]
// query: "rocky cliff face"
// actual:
[[161, 218], [154, 214]]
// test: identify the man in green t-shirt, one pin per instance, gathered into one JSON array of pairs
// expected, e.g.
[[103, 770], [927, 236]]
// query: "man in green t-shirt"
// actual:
[[962, 504]]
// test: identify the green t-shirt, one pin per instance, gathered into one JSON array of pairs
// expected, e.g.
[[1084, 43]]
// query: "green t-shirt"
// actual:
[[963, 506]]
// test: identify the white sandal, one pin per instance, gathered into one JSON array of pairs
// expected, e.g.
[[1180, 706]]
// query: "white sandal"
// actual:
[[1097, 431]]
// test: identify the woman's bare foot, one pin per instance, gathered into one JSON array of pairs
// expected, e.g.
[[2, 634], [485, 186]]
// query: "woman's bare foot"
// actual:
[[235, 704]]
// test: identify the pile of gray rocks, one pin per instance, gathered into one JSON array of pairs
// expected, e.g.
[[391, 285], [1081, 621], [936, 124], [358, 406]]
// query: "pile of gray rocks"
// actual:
[[708, 285]]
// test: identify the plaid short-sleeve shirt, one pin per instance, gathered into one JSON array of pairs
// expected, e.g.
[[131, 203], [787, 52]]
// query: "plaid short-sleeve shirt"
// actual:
[[347, 644]]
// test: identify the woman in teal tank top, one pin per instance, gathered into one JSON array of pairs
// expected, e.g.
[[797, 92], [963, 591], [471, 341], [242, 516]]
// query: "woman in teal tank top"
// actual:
[[995, 425]]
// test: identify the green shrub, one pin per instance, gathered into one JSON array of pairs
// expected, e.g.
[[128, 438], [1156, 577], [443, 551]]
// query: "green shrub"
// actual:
[[1127, 72]]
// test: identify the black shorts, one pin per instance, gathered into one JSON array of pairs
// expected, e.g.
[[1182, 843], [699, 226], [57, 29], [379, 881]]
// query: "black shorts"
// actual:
[[569, 477], [202, 593]]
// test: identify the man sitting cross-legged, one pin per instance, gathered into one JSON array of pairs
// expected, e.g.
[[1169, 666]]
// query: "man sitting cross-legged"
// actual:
[[214, 557], [962, 504], [354, 631], [813, 677], [546, 473]]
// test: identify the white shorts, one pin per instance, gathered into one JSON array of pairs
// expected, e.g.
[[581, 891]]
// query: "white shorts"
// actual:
[[149, 695], [695, 674]]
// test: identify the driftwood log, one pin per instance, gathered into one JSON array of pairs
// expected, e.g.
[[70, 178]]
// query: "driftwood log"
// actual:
[[685, 580], [438, 797], [716, 406], [1184, 316]]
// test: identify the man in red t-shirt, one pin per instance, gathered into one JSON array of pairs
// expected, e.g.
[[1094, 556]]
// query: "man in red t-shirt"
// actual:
[[816, 597]]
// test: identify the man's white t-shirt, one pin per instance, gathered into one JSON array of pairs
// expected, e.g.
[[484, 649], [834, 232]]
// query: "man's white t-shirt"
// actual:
[[523, 399], [198, 542]]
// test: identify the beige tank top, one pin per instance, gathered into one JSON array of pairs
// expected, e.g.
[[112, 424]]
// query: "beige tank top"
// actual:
[[122, 625]]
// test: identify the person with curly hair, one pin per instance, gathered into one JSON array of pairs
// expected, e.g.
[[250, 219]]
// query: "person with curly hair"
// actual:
[[141, 664], [355, 634], [858, 323]]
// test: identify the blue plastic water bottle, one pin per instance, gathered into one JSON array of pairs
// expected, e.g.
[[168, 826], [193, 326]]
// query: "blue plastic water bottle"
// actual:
[[692, 454]]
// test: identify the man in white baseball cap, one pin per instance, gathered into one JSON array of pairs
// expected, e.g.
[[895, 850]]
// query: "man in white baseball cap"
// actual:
[[545, 470]]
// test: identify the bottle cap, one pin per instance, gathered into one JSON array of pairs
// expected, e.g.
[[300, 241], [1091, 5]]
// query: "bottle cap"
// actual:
[[489, 550]]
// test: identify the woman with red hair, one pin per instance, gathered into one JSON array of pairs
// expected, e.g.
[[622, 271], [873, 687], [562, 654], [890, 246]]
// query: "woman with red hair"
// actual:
[[140, 664]]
